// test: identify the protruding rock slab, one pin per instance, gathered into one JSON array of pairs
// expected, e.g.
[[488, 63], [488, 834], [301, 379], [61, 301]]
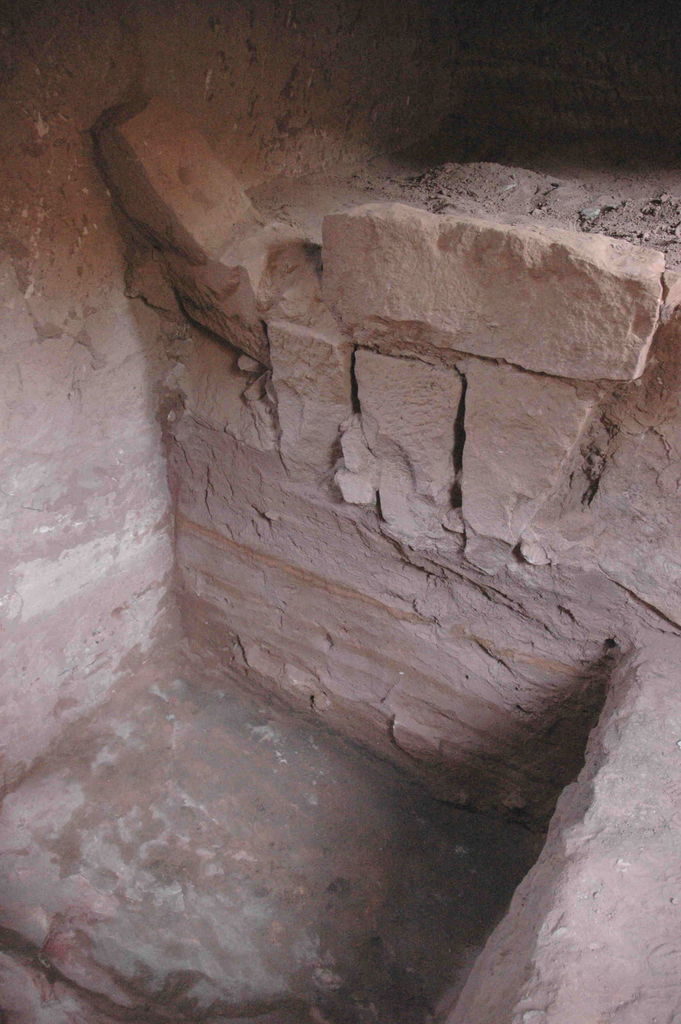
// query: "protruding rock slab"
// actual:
[[265, 273], [311, 380], [358, 477], [220, 297], [520, 430], [549, 300], [409, 411], [192, 208], [170, 183]]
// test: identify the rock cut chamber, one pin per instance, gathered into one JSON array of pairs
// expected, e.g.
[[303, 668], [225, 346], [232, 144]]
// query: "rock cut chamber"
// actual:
[[340, 478]]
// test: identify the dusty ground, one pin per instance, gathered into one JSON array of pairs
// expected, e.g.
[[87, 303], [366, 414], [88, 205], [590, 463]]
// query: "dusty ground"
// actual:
[[641, 206], [201, 854]]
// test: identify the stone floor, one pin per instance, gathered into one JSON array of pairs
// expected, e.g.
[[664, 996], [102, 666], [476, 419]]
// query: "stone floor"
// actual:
[[199, 855]]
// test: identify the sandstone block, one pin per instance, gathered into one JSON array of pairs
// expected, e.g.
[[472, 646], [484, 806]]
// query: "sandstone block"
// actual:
[[221, 298], [170, 183], [264, 273], [672, 299], [357, 478], [546, 299], [311, 382], [167, 180], [356, 488], [520, 430], [409, 410]]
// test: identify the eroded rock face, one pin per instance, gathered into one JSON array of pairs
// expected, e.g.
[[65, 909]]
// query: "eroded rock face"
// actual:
[[220, 297], [592, 931], [520, 431], [311, 383], [397, 480], [409, 411], [545, 299]]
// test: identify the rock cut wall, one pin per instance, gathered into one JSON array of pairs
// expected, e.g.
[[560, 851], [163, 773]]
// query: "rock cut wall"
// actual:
[[592, 931], [565, 78], [384, 420], [86, 528]]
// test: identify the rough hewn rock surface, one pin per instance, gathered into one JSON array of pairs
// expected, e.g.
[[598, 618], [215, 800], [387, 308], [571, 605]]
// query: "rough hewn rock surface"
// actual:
[[593, 930], [432, 500], [85, 505], [520, 431], [409, 412], [454, 471], [312, 387], [556, 302], [405, 656], [169, 182], [617, 507], [85, 508]]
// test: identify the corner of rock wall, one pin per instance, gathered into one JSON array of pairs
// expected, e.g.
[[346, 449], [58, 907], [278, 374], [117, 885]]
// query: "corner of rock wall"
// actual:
[[602, 897], [375, 438], [86, 528]]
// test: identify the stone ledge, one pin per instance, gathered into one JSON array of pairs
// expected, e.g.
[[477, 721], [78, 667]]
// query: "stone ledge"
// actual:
[[545, 299]]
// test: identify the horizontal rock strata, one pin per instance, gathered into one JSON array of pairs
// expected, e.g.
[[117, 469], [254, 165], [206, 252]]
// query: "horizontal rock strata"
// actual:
[[390, 452]]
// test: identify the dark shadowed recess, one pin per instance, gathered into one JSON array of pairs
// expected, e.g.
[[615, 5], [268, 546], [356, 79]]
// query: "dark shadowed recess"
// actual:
[[563, 79]]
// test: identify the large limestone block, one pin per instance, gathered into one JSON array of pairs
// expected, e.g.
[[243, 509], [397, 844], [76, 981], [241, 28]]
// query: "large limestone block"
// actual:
[[546, 299], [520, 431], [169, 182], [409, 411], [312, 384]]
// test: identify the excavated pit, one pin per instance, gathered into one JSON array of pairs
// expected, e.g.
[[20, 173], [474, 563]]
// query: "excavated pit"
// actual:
[[240, 861], [340, 496]]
